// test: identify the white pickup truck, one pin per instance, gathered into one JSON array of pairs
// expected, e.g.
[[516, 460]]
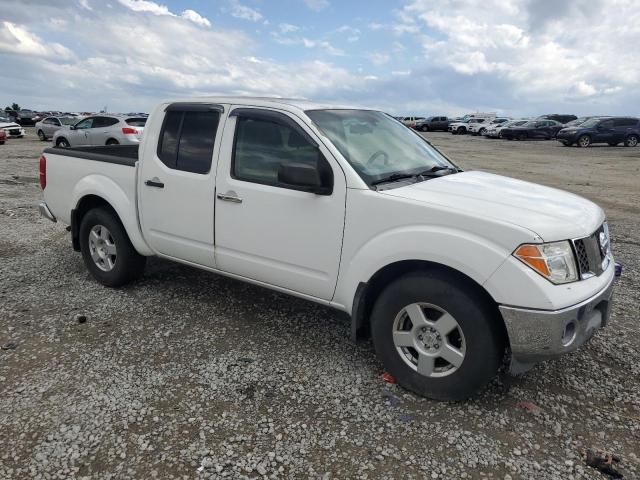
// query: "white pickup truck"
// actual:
[[446, 270]]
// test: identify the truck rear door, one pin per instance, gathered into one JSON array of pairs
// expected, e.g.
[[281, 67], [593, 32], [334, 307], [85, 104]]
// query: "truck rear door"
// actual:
[[177, 180], [266, 230]]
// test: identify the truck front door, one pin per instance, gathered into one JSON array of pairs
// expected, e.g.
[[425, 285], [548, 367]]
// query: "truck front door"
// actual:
[[176, 184], [265, 229]]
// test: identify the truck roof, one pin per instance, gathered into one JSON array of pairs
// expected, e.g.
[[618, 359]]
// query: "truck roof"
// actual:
[[296, 103]]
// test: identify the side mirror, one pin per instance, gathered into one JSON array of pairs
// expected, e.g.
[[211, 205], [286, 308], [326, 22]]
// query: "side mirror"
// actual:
[[303, 177]]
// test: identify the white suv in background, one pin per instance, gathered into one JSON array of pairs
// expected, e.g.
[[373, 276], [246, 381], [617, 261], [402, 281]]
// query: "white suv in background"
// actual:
[[479, 128], [102, 130]]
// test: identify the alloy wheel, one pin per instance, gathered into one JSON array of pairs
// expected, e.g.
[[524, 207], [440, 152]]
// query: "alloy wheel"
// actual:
[[429, 340], [102, 248]]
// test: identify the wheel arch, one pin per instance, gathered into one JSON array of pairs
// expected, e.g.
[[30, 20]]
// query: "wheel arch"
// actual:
[[119, 205], [367, 292]]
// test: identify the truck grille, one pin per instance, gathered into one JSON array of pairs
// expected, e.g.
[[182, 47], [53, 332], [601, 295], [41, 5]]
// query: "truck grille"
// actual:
[[589, 253]]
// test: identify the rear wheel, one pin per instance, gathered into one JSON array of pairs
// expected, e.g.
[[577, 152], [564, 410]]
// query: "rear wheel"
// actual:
[[631, 141], [42, 136], [437, 335], [112, 141], [107, 251], [584, 141], [62, 142]]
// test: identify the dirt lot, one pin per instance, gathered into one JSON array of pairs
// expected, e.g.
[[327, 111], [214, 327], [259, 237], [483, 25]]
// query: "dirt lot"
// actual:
[[187, 375]]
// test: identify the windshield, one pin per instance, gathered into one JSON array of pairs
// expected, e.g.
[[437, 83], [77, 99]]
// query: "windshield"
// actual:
[[376, 145], [590, 123], [67, 120]]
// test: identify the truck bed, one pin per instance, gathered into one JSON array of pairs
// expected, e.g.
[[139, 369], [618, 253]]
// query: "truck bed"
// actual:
[[118, 154]]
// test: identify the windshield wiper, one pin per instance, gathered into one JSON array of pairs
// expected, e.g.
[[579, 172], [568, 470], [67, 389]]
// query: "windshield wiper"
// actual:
[[437, 168], [393, 177]]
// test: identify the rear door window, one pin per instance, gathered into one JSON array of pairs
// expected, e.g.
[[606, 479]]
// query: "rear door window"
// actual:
[[625, 122], [187, 140], [103, 122]]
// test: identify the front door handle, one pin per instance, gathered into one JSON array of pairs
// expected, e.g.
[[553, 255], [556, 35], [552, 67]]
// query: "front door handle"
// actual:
[[229, 197], [154, 183]]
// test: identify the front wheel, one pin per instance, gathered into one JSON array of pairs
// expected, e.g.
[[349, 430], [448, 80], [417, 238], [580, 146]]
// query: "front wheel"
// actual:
[[631, 141], [62, 143], [107, 251], [437, 335], [584, 141]]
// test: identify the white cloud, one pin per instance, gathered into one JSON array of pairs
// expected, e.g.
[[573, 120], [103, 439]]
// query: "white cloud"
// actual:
[[136, 61], [157, 9], [18, 40], [572, 53], [195, 17], [288, 28], [245, 13], [317, 5]]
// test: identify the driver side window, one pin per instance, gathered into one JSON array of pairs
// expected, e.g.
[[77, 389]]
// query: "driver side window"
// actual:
[[84, 124], [261, 145]]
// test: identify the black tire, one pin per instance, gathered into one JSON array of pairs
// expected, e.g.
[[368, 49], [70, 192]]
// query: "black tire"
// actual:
[[129, 264], [478, 319], [584, 141], [42, 136], [2, 142], [631, 141], [62, 143], [112, 141], [462, 130], [481, 131]]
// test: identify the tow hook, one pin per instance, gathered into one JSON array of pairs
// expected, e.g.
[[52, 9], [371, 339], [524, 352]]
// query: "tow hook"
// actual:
[[618, 269]]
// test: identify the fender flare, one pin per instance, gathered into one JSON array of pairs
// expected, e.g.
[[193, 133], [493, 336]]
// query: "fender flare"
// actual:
[[105, 188]]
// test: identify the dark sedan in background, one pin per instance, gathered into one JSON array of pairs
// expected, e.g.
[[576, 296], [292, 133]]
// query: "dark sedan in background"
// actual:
[[611, 130], [546, 129]]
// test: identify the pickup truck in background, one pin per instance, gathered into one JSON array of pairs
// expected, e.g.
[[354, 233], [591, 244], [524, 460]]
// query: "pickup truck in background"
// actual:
[[446, 270]]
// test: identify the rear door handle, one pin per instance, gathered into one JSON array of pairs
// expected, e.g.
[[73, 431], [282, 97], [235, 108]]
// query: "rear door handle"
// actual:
[[154, 183], [229, 197]]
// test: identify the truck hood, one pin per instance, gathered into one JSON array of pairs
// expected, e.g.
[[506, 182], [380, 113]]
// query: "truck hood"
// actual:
[[550, 213]]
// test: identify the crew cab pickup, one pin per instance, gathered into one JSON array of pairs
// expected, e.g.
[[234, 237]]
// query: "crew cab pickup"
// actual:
[[447, 270]]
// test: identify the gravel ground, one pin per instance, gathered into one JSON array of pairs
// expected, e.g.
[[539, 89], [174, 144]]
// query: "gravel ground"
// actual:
[[186, 374]]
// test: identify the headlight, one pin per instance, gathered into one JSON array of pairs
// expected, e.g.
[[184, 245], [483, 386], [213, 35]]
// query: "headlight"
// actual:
[[554, 261]]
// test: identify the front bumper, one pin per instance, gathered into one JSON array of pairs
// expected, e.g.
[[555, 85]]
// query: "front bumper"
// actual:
[[46, 213], [537, 335]]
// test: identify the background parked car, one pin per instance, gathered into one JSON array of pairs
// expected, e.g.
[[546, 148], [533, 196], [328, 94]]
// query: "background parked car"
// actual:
[[495, 131], [50, 125], [411, 121], [102, 130], [462, 127], [558, 117], [476, 128], [432, 124], [546, 129], [11, 128], [611, 130], [22, 117]]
